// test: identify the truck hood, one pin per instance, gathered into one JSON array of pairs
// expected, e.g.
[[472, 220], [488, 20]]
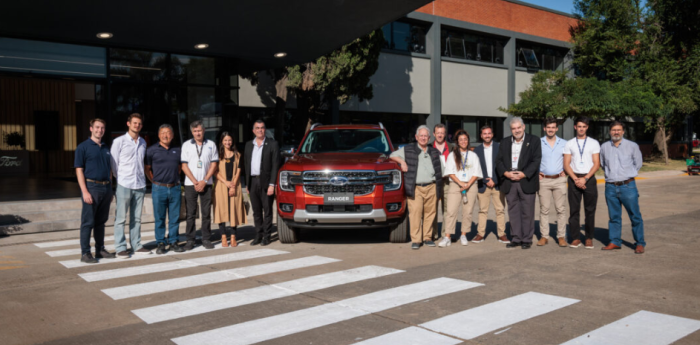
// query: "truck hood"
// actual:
[[339, 161]]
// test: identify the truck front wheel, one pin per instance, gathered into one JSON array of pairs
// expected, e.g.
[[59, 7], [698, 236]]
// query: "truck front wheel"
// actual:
[[399, 232], [286, 234]]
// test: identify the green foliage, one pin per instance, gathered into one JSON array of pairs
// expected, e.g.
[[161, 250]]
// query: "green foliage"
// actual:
[[343, 73], [13, 139]]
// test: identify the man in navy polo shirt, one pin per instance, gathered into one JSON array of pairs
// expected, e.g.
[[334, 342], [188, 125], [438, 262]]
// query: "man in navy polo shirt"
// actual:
[[163, 169], [92, 166]]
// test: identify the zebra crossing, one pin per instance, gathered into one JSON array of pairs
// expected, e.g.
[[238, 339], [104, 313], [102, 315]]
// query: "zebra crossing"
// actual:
[[642, 327]]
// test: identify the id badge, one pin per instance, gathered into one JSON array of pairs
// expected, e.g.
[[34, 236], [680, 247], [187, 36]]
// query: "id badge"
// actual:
[[580, 164], [199, 165], [464, 176]]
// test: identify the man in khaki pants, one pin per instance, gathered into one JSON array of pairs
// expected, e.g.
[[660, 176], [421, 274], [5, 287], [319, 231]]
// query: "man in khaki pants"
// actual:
[[552, 183], [488, 188], [422, 169]]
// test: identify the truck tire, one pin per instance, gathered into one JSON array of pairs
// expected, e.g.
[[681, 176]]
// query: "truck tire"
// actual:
[[285, 233], [399, 233]]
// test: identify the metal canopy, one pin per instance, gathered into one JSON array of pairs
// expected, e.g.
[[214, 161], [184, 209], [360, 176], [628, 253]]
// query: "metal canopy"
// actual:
[[252, 31]]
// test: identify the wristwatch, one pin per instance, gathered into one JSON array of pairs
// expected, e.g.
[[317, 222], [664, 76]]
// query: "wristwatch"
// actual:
[[586, 178]]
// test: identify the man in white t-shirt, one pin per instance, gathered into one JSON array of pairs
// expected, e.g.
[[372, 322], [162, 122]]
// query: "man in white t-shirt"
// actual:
[[581, 161], [199, 161]]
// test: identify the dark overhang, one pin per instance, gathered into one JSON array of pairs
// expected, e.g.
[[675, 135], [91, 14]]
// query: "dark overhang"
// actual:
[[250, 30]]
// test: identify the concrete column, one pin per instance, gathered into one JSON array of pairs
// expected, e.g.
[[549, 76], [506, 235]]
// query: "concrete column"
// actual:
[[510, 59], [433, 48]]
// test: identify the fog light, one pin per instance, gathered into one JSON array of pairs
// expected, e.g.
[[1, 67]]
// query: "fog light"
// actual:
[[286, 207], [394, 207]]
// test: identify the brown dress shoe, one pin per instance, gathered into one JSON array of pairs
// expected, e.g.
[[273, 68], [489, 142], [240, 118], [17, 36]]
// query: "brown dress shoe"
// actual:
[[478, 239], [589, 243], [562, 242], [503, 239], [639, 250], [575, 244], [542, 241], [611, 247]]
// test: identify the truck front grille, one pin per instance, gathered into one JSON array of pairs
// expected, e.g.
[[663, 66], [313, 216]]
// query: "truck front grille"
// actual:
[[363, 189]]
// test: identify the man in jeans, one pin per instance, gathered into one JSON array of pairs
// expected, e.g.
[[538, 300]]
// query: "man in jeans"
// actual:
[[93, 171], [621, 160], [163, 169], [199, 160], [128, 152]]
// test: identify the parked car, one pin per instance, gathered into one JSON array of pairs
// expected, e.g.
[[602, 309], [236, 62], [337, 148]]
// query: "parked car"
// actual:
[[340, 178]]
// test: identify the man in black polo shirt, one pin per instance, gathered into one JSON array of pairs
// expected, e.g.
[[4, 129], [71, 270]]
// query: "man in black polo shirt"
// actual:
[[92, 167], [163, 169]]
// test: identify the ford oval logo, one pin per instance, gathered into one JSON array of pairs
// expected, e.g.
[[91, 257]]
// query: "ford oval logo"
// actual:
[[339, 181]]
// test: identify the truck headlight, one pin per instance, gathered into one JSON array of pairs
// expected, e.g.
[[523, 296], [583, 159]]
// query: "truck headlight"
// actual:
[[395, 181], [286, 177]]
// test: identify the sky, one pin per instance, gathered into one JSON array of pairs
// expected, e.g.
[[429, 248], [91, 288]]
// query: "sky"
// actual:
[[566, 6]]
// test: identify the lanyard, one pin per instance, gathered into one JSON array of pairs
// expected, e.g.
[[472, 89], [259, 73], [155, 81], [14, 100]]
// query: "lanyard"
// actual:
[[199, 152], [464, 161], [580, 149]]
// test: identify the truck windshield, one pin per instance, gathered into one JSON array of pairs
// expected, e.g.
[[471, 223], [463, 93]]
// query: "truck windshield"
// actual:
[[346, 140]]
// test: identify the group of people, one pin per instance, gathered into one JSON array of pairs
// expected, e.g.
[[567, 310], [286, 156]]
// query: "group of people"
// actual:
[[514, 173], [209, 168]]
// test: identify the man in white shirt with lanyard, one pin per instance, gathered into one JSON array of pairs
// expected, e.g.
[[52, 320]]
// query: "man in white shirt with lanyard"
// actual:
[[128, 152], [581, 161], [199, 161]]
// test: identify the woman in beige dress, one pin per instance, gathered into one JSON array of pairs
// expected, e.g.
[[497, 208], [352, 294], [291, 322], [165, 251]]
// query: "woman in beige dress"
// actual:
[[228, 196], [464, 170]]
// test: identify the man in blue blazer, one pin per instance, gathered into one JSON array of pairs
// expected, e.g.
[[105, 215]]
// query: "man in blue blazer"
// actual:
[[488, 187]]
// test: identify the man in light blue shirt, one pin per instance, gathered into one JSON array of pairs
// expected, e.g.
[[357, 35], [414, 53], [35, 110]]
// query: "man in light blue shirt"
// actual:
[[552, 182], [621, 160]]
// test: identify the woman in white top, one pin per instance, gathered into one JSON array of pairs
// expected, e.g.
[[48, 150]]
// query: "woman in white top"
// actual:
[[464, 170]]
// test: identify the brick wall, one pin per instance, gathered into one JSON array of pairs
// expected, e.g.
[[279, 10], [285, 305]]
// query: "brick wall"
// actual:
[[504, 15]]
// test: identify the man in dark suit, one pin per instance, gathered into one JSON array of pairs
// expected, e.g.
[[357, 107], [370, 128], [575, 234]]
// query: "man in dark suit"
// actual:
[[488, 188], [261, 164], [518, 169]]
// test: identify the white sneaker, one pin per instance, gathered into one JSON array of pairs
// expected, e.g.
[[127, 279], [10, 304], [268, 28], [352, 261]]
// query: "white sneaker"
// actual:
[[446, 242], [463, 239]]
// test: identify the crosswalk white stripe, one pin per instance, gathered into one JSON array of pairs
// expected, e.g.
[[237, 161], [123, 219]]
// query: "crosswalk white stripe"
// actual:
[[77, 263], [64, 243], [149, 288], [78, 251], [474, 322], [411, 336], [643, 327], [302, 320], [176, 265], [234, 299]]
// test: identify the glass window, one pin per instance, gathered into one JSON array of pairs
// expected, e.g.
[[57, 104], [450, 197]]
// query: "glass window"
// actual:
[[51, 58], [346, 140], [473, 125], [137, 65], [470, 46], [537, 56], [193, 69], [151, 101], [401, 127], [405, 36]]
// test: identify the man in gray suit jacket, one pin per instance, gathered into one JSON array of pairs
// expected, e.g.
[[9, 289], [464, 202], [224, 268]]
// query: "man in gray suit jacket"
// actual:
[[488, 188]]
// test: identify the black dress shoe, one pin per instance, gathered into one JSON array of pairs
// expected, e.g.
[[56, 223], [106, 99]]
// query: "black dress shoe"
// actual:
[[513, 244], [88, 259], [161, 249], [265, 241], [176, 248], [526, 245], [208, 244], [256, 241], [103, 254], [189, 245]]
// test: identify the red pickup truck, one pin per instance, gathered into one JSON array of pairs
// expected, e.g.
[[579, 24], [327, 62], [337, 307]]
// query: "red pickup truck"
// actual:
[[340, 178]]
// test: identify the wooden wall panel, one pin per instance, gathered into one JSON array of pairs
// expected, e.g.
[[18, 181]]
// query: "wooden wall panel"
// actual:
[[19, 98]]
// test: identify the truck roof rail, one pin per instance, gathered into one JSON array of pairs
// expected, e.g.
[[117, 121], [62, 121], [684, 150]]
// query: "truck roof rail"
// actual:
[[315, 125], [381, 125]]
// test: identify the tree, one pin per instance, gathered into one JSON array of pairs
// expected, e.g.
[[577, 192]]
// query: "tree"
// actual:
[[630, 60], [339, 75]]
